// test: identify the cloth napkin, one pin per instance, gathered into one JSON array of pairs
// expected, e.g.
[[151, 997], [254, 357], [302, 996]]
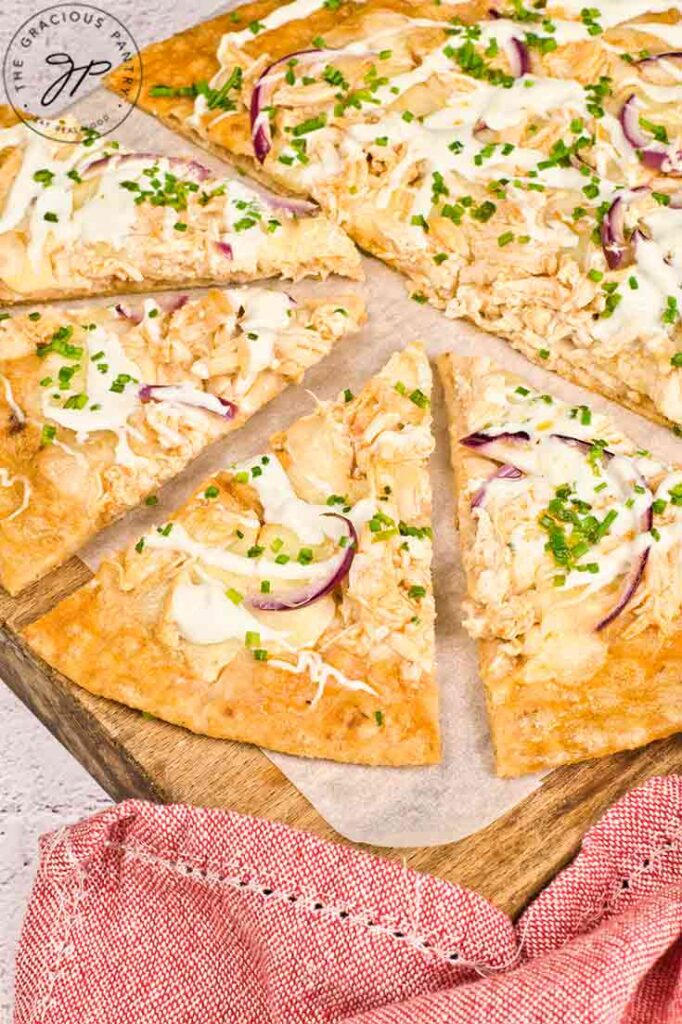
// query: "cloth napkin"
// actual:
[[179, 915]]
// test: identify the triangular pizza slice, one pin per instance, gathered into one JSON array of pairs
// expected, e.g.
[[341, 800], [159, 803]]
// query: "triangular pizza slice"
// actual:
[[288, 603], [87, 217], [98, 405], [571, 540]]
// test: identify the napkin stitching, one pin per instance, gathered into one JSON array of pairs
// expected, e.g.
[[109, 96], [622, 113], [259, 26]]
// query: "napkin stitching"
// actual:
[[614, 889], [671, 841], [68, 897], [359, 916]]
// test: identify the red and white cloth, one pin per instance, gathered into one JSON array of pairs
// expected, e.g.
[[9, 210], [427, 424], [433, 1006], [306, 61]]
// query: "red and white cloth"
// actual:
[[177, 915]]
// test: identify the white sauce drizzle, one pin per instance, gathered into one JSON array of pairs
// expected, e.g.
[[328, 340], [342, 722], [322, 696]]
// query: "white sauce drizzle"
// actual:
[[320, 672], [614, 12], [17, 411], [251, 568], [275, 19], [266, 313], [204, 614], [283, 507], [6, 480]]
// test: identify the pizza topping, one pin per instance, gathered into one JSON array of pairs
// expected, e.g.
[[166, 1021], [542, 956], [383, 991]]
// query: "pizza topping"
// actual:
[[321, 673], [306, 596], [186, 394], [576, 513], [100, 395], [505, 472], [167, 204], [206, 613], [92, 382], [9, 481], [17, 413]]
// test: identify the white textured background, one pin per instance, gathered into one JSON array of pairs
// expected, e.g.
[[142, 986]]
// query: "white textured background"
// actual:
[[41, 785]]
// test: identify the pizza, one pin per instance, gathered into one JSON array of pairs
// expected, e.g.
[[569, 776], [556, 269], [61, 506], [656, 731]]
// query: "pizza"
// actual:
[[100, 405], [570, 537], [288, 603], [86, 217], [518, 160]]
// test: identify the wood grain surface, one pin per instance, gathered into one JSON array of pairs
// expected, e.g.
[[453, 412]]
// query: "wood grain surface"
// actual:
[[131, 756]]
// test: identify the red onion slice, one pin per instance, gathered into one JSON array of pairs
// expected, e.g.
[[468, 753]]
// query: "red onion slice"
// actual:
[[629, 119], [584, 446], [189, 169], [499, 447], [177, 394], [320, 588], [612, 233], [655, 156], [128, 314], [480, 439], [519, 57], [633, 578], [655, 57], [261, 136], [291, 204], [226, 249], [505, 472], [166, 303]]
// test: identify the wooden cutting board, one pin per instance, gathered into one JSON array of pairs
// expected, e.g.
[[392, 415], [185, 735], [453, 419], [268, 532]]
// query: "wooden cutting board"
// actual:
[[131, 756]]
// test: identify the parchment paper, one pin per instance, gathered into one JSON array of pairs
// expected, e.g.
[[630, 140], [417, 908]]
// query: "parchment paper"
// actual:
[[386, 806]]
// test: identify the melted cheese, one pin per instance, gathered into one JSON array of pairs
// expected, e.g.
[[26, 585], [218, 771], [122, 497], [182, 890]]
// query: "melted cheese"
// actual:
[[204, 614]]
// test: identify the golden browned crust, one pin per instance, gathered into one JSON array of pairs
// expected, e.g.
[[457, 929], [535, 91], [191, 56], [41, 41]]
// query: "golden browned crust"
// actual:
[[104, 640], [634, 698], [107, 636]]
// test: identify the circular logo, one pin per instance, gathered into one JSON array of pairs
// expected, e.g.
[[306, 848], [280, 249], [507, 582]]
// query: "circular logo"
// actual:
[[58, 57]]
